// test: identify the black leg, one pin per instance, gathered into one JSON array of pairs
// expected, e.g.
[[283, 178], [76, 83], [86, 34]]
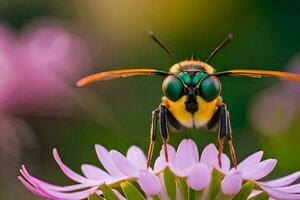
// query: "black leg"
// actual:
[[164, 128], [229, 138], [153, 135], [224, 133]]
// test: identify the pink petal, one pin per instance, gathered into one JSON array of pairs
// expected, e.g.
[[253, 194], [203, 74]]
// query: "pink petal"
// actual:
[[42, 184], [61, 195], [282, 181], [32, 189], [171, 153], [225, 164], [72, 195], [260, 170], [232, 183], [149, 183], [67, 171], [199, 177], [250, 161], [124, 165], [160, 164], [119, 195], [187, 155], [290, 189], [95, 173], [209, 155], [280, 195], [107, 161], [137, 157]]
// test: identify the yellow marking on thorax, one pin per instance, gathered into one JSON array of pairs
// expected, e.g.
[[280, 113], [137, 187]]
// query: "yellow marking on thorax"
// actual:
[[187, 119], [177, 108], [205, 112]]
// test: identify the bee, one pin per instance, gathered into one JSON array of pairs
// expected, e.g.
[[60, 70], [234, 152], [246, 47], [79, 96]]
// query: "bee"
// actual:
[[192, 97]]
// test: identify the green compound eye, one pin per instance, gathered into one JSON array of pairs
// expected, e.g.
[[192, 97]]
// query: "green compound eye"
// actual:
[[185, 77], [198, 77], [210, 88], [172, 88]]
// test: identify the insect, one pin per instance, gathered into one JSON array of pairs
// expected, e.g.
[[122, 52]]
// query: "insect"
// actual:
[[191, 98]]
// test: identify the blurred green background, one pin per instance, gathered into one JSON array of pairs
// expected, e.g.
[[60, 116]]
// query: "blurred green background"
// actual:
[[266, 37]]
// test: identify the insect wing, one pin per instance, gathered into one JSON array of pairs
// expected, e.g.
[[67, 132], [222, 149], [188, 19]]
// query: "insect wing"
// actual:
[[260, 73], [108, 75]]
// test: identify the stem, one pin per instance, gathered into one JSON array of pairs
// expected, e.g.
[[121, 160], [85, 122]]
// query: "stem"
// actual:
[[222, 196]]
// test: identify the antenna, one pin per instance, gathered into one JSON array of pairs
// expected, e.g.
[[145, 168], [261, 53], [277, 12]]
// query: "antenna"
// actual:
[[225, 41], [151, 34]]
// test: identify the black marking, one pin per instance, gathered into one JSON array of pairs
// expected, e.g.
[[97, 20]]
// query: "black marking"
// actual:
[[225, 134], [223, 122], [229, 130], [213, 122], [192, 73], [191, 70], [195, 68], [161, 73], [163, 123], [173, 121], [191, 104]]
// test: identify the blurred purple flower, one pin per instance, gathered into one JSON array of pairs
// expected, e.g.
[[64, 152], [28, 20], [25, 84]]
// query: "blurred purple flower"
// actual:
[[16, 136], [44, 63], [293, 66], [157, 183], [38, 69], [274, 110]]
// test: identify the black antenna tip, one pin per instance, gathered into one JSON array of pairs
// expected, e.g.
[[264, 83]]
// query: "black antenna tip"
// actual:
[[151, 34], [230, 36]]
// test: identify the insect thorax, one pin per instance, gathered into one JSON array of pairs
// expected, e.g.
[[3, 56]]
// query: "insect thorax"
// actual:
[[192, 66]]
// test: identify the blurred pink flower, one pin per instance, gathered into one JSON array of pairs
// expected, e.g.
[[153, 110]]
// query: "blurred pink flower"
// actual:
[[274, 110], [38, 69], [293, 66], [157, 183], [43, 64], [16, 136]]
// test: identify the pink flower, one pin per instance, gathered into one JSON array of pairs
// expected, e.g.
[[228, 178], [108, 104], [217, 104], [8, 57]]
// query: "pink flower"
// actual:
[[41, 65], [187, 175], [38, 69], [275, 109]]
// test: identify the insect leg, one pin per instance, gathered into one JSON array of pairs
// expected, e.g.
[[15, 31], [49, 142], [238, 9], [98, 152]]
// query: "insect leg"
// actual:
[[153, 135], [164, 128], [229, 139], [222, 132]]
